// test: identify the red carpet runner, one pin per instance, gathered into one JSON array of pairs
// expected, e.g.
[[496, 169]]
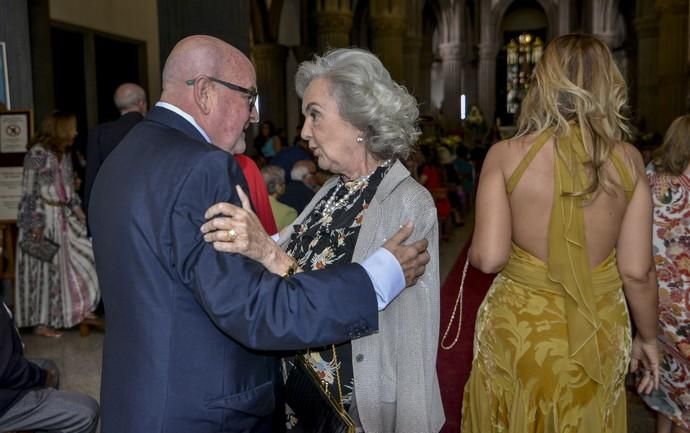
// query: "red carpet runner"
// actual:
[[454, 365]]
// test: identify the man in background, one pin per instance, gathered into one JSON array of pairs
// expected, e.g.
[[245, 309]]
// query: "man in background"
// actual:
[[130, 100], [300, 190], [289, 155]]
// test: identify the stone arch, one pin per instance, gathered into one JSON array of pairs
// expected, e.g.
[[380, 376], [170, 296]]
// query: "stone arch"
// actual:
[[430, 14], [498, 12], [269, 59]]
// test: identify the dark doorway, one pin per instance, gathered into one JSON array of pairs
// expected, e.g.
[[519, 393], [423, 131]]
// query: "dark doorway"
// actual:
[[117, 62], [70, 92], [88, 66], [69, 73]]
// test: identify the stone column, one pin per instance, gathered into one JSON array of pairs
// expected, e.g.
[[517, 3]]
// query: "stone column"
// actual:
[[604, 16], [333, 29], [647, 29], [468, 80], [424, 92], [673, 60], [411, 51], [388, 34], [451, 54], [565, 17], [269, 60], [487, 80], [412, 46], [609, 38], [486, 74]]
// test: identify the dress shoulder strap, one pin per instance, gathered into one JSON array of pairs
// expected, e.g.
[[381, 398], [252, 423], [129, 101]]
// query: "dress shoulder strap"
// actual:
[[624, 173], [520, 170]]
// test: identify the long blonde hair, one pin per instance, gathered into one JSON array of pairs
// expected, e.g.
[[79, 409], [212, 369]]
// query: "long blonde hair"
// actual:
[[577, 81], [673, 156]]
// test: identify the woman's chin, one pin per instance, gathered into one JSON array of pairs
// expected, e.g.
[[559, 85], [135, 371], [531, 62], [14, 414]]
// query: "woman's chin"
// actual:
[[323, 165]]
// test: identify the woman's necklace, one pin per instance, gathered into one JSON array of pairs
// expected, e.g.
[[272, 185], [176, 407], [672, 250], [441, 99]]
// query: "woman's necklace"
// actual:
[[354, 186]]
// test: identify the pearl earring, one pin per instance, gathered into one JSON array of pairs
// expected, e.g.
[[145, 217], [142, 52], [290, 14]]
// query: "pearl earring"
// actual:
[[360, 139]]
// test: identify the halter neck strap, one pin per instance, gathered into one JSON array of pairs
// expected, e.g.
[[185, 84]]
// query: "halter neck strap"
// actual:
[[533, 150]]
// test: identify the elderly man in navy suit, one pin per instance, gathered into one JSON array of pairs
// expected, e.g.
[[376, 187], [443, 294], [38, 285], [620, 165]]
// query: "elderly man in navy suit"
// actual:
[[130, 100], [187, 325]]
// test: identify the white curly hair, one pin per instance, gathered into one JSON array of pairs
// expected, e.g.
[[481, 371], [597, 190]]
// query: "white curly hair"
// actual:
[[367, 98]]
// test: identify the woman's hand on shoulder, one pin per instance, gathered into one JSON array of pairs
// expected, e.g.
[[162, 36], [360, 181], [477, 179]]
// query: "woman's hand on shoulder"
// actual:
[[234, 229]]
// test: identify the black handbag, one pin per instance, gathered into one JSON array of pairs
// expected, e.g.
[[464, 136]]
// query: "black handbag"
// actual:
[[317, 410], [43, 249]]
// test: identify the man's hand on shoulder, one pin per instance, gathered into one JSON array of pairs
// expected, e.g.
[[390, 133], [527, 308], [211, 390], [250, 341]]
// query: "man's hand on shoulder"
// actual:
[[413, 258]]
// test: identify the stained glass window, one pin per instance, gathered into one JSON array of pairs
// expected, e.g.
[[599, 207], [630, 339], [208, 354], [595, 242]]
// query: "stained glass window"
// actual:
[[521, 56]]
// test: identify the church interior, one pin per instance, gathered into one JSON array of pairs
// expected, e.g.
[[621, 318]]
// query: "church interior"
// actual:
[[467, 62]]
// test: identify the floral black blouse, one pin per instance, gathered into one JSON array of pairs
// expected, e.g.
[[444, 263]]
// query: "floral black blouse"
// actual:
[[323, 239]]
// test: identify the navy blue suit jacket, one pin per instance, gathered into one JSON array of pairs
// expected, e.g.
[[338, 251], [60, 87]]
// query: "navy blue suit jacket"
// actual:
[[102, 140], [297, 195], [186, 325]]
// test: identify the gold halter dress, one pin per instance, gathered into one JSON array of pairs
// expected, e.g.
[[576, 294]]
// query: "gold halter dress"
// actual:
[[552, 339]]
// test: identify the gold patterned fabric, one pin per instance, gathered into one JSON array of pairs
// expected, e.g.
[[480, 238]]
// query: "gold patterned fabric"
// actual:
[[552, 339]]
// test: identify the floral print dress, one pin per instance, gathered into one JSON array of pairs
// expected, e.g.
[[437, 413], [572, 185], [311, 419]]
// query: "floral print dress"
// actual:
[[671, 238], [324, 239]]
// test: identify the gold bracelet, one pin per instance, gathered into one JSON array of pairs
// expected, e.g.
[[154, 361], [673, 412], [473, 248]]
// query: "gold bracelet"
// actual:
[[292, 269]]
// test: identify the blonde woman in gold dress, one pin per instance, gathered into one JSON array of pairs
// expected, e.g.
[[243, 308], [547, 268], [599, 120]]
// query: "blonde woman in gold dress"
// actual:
[[564, 215]]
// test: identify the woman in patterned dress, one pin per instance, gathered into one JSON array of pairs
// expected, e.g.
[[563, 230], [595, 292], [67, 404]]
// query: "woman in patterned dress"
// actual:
[[669, 176], [62, 291], [359, 123]]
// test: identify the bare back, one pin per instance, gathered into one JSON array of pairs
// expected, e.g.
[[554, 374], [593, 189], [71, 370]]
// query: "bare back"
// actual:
[[532, 198], [611, 220]]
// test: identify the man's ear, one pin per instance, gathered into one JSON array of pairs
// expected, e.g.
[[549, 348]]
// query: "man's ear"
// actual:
[[202, 94]]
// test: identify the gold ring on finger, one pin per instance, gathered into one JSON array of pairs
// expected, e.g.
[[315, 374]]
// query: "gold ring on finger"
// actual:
[[232, 235]]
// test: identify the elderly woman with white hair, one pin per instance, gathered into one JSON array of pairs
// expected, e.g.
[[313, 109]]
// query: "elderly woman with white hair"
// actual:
[[359, 124]]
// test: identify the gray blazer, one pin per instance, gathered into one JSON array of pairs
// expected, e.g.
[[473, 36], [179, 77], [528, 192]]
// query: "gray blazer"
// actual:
[[396, 386]]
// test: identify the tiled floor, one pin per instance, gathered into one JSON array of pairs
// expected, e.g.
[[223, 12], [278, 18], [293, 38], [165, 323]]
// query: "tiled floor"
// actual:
[[79, 358]]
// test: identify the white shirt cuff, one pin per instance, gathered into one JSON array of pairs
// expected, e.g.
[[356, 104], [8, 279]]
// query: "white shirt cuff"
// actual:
[[386, 276]]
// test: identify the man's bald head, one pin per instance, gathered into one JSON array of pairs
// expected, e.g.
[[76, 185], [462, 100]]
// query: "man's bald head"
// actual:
[[195, 80], [203, 55], [130, 97]]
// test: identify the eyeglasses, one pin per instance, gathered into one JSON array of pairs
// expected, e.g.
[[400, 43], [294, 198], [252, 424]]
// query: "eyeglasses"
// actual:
[[252, 93]]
